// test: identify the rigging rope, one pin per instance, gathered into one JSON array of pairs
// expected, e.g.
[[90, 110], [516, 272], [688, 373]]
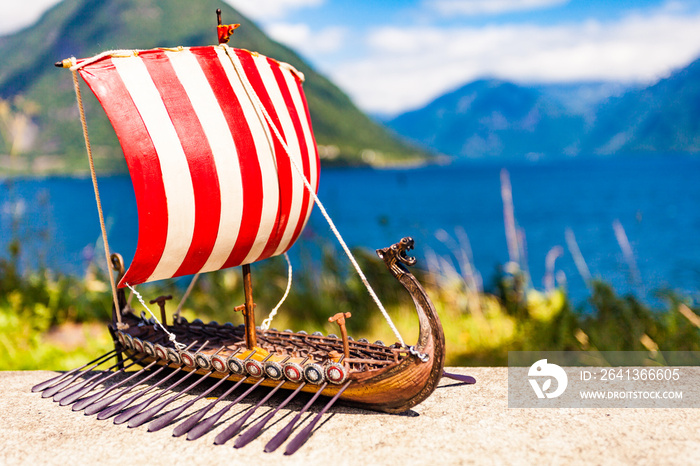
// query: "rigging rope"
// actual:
[[76, 85], [266, 323], [258, 104], [171, 336], [176, 316]]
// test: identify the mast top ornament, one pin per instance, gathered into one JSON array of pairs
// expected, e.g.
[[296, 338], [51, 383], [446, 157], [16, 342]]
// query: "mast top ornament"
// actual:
[[224, 31]]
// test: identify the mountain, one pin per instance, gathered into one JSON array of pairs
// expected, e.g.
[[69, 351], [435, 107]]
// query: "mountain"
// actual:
[[664, 117], [491, 118], [39, 118]]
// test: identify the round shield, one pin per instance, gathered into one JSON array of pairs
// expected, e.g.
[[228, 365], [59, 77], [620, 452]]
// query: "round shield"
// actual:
[[174, 356], [293, 372], [274, 370], [202, 360], [128, 341], [219, 363], [254, 368], [235, 365], [120, 338], [138, 344], [149, 349], [313, 373], [187, 359], [161, 352], [336, 373]]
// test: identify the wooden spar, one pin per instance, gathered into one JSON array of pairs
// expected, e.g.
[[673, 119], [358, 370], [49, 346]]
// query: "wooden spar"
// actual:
[[249, 312], [339, 318], [160, 300]]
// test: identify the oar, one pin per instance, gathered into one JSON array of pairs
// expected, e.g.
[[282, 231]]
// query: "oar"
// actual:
[[75, 394], [110, 411], [51, 391], [305, 433], [206, 425], [246, 437], [234, 428], [462, 378], [134, 410], [76, 388], [166, 419], [43, 385], [70, 390], [283, 434], [87, 401], [102, 405], [146, 416], [106, 401], [187, 424]]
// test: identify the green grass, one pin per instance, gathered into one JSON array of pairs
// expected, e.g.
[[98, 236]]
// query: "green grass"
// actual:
[[36, 310]]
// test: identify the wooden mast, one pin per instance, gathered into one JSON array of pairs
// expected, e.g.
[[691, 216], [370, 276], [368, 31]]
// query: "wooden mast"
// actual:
[[249, 311]]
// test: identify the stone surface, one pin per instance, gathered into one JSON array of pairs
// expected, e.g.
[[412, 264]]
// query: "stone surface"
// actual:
[[458, 424]]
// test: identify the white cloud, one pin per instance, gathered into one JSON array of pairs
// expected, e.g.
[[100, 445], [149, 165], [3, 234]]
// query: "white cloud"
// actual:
[[15, 15], [405, 68], [489, 7], [270, 9], [301, 38]]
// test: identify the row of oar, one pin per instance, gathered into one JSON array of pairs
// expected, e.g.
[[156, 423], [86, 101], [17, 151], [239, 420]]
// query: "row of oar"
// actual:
[[71, 388]]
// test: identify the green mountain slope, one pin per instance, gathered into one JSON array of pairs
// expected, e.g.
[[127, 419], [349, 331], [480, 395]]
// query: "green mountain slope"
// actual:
[[31, 86]]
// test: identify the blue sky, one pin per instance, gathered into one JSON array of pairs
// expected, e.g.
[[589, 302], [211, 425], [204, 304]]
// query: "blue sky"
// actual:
[[391, 56]]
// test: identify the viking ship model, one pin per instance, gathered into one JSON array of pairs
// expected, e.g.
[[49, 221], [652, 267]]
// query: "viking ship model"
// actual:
[[220, 149]]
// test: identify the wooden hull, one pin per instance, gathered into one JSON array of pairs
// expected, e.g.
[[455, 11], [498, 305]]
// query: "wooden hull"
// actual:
[[394, 380]]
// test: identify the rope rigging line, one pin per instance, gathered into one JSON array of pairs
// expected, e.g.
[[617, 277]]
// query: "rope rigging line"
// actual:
[[83, 121], [171, 336], [190, 287], [258, 104], [266, 323]]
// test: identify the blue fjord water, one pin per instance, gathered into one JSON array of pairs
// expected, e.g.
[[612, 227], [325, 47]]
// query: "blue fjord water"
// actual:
[[656, 200]]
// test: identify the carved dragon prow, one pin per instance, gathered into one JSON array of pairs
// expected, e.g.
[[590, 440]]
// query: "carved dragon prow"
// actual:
[[397, 262]]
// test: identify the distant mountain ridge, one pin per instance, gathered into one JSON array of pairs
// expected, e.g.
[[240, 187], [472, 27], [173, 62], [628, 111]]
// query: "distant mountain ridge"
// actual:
[[38, 115], [498, 119]]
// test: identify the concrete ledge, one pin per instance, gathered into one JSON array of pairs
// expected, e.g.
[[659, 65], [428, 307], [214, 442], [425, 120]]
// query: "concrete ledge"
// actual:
[[458, 424]]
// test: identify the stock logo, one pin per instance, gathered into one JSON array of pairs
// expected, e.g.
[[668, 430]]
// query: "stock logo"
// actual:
[[542, 369]]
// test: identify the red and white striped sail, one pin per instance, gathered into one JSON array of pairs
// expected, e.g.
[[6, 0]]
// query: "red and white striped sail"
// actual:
[[214, 185]]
